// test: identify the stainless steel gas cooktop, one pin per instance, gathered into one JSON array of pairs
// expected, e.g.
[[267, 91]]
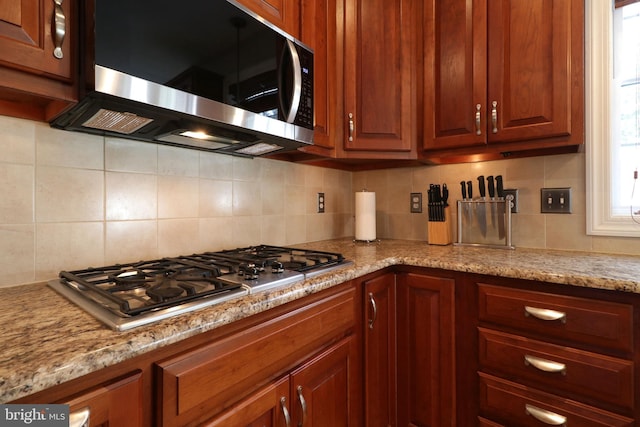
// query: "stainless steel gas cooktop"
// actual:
[[125, 296]]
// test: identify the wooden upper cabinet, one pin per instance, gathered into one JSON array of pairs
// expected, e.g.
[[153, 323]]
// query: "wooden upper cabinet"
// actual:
[[380, 65], [36, 79], [320, 29], [507, 73], [31, 31], [283, 13]]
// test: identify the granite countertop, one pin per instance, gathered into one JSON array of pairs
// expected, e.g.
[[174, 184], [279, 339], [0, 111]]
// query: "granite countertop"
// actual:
[[49, 340]]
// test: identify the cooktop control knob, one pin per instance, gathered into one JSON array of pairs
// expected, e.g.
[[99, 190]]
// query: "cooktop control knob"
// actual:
[[277, 267], [249, 271]]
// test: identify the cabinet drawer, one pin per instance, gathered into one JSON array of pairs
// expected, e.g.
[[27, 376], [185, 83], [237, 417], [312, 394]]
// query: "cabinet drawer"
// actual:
[[513, 404], [558, 368], [199, 384], [604, 324]]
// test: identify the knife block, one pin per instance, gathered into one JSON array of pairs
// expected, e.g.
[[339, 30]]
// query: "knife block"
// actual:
[[439, 232]]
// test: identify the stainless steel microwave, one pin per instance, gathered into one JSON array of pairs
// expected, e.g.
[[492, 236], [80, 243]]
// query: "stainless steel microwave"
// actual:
[[206, 74]]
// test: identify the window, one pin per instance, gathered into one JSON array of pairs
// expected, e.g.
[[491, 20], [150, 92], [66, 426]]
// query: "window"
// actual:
[[613, 117]]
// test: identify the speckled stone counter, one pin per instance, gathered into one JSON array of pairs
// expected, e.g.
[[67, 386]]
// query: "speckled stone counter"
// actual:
[[47, 340]]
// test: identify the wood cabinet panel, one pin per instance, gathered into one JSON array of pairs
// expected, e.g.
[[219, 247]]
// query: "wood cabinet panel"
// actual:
[[426, 350], [606, 325], [507, 74], [206, 380], [264, 408], [117, 403], [596, 377], [325, 389], [285, 14], [320, 31], [27, 36], [380, 350], [515, 404], [380, 67]]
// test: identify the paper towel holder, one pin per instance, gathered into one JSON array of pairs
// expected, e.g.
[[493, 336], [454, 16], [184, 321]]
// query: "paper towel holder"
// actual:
[[365, 217]]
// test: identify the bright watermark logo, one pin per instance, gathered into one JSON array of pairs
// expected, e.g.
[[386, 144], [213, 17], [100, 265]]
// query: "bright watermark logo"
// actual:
[[34, 415]]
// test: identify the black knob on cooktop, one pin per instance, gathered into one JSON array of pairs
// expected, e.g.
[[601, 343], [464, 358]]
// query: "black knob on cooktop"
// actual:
[[277, 267]]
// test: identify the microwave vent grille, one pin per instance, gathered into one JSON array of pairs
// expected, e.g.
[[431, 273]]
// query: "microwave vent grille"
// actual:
[[116, 121]]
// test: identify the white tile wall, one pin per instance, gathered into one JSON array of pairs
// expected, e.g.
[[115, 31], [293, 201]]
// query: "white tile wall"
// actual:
[[72, 200]]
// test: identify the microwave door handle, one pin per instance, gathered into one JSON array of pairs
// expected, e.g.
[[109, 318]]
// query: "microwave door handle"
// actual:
[[291, 112]]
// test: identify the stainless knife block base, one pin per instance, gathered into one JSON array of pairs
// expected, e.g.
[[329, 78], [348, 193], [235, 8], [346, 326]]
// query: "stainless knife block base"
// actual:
[[485, 223]]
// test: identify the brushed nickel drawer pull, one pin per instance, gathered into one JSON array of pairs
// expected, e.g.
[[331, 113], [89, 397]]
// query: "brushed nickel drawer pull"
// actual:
[[374, 310], [544, 364], [351, 127], [59, 28], [478, 121], [303, 406], [80, 418], [545, 416], [545, 314], [494, 117], [285, 411]]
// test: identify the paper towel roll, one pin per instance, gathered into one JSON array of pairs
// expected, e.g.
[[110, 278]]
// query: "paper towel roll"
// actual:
[[365, 215]]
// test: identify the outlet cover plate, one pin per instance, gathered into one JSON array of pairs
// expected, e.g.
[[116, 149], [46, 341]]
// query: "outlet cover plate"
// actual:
[[416, 202]]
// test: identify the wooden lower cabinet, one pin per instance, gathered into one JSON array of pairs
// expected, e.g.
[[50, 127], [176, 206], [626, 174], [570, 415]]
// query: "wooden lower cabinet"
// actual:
[[203, 383], [318, 393], [426, 350], [117, 403], [409, 344]]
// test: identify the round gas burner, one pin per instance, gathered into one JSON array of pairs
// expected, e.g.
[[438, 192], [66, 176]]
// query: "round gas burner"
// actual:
[[160, 294]]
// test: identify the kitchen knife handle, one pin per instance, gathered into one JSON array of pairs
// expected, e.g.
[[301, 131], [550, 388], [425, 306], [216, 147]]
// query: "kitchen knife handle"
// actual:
[[481, 187], [545, 416], [478, 120], [499, 186], [445, 195], [545, 314], [463, 189], [303, 406], [494, 117], [469, 190], [59, 28], [491, 186], [285, 411], [545, 365], [374, 310]]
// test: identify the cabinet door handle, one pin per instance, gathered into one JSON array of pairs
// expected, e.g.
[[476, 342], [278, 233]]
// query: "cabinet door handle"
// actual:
[[80, 418], [545, 314], [374, 310], [494, 117], [544, 364], [351, 127], [545, 416], [303, 406], [478, 121], [285, 411], [59, 28]]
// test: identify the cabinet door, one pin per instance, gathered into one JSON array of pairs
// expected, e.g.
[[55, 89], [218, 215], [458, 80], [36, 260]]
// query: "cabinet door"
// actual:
[[268, 407], [426, 350], [28, 37], [380, 66], [283, 13], [114, 404], [325, 389], [320, 29], [455, 70], [530, 71], [380, 351]]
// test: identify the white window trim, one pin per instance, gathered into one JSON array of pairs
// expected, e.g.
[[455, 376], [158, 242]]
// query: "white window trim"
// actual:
[[598, 75]]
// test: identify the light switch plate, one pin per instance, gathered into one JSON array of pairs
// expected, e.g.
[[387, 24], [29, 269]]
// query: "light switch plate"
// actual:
[[555, 200]]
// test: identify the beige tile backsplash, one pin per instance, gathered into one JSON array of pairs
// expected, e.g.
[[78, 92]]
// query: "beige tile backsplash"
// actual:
[[72, 200]]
